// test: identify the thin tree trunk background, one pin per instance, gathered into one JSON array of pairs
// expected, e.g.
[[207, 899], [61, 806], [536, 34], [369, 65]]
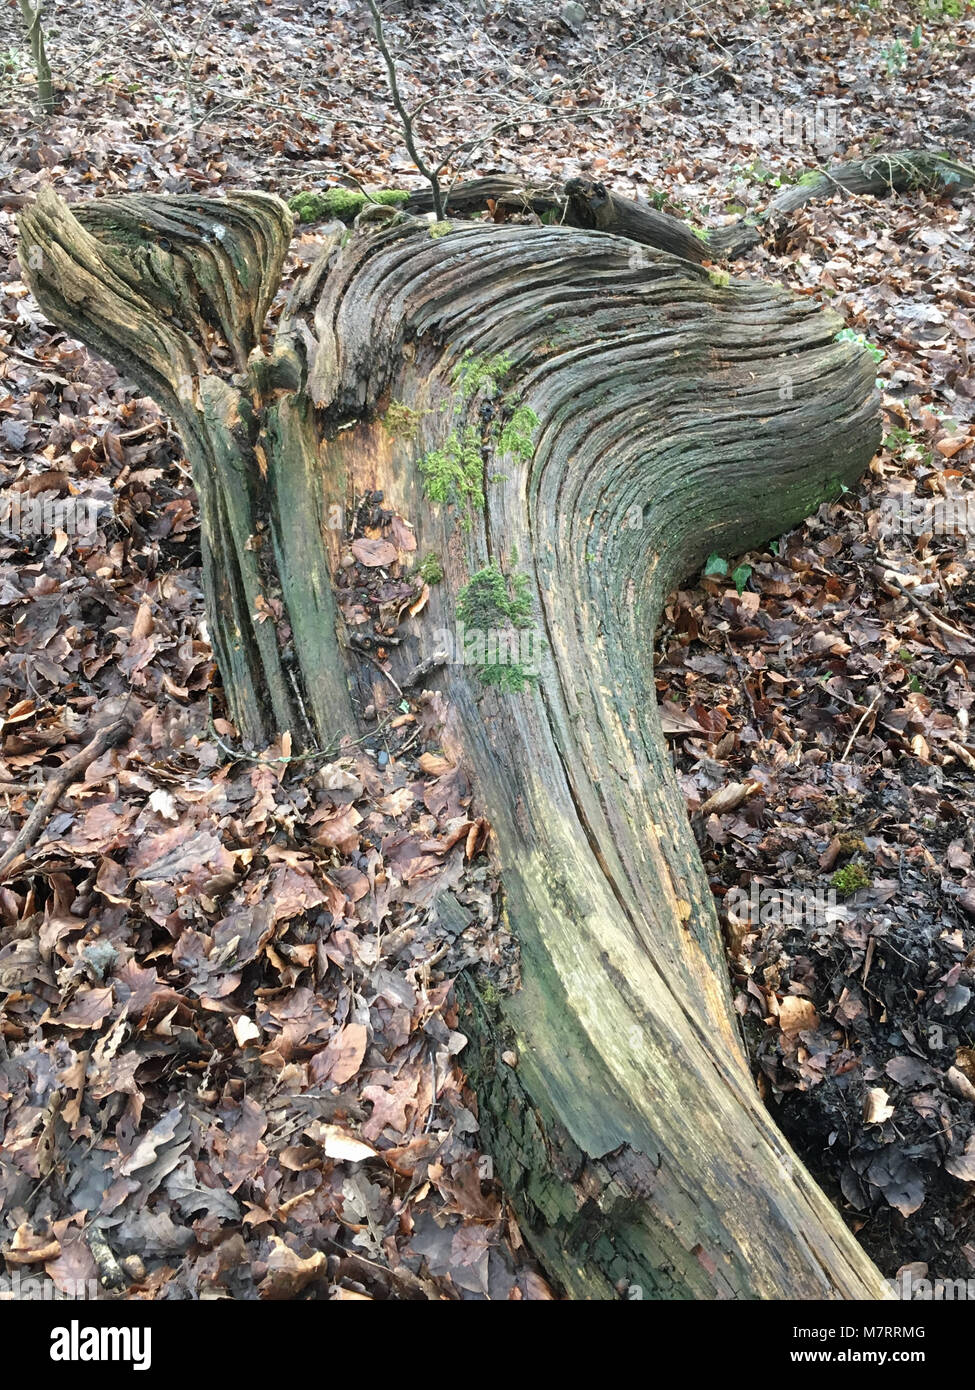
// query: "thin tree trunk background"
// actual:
[[674, 415], [32, 10]]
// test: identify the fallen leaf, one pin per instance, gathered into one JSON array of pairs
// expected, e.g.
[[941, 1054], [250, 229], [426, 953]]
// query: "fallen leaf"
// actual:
[[373, 553]]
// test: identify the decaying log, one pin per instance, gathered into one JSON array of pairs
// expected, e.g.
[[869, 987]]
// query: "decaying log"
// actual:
[[586, 203], [598, 417], [898, 171], [175, 293]]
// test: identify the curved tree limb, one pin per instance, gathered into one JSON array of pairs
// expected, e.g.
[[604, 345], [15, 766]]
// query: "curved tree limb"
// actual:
[[175, 291], [660, 396], [897, 171]]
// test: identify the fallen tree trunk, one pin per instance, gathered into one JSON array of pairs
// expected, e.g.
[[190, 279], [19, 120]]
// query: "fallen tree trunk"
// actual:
[[897, 171], [584, 203], [587, 204], [572, 423]]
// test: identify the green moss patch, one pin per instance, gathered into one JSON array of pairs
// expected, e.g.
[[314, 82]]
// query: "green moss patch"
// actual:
[[341, 203], [850, 879], [473, 374], [518, 433], [454, 472], [401, 421], [496, 609], [430, 569]]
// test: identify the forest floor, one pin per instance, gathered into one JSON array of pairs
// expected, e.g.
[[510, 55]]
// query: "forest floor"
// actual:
[[229, 1062]]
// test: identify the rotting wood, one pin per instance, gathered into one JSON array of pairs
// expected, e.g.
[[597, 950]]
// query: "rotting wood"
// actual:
[[675, 415]]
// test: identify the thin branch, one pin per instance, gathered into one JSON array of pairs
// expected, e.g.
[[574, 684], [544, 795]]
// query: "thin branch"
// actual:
[[892, 585], [406, 119], [108, 737], [859, 725], [35, 35]]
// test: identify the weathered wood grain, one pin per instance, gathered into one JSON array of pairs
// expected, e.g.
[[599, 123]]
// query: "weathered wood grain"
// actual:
[[676, 415]]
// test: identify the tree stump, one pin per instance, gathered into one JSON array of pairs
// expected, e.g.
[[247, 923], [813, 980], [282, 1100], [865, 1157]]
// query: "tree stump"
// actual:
[[572, 422]]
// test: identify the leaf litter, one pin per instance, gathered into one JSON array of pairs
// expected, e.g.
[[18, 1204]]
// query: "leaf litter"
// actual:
[[229, 1062]]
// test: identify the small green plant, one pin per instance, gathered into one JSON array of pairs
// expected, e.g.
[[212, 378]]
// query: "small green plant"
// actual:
[[897, 440], [489, 995], [850, 879], [935, 10], [341, 203], [454, 472], [904, 447], [848, 335], [895, 57], [518, 433], [756, 171], [401, 421], [494, 608], [471, 373], [740, 576], [430, 569], [492, 598], [717, 568], [439, 229]]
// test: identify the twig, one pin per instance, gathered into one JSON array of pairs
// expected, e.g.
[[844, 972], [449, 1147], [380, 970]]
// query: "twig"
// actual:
[[383, 672], [332, 750], [425, 668], [890, 584], [435, 1084], [859, 725], [405, 117], [108, 737]]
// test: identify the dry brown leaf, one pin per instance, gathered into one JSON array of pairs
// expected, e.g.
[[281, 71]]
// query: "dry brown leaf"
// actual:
[[373, 553], [797, 1015], [876, 1106]]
